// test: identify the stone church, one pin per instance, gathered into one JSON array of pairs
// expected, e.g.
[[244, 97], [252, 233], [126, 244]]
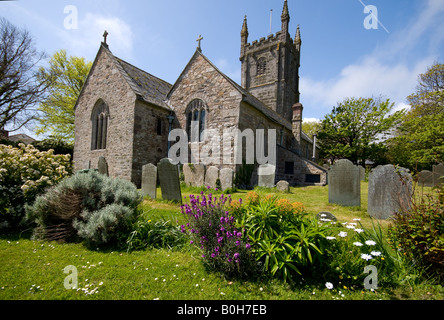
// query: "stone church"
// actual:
[[125, 114]]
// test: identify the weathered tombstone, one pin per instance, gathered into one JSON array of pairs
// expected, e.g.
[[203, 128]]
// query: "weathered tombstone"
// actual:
[[344, 186], [426, 178], [325, 216], [389, 191], [438, 170], [169, 180], [211, 175], [361, 173], [283, 186], [149, 180], [226, 178], [194, 174], [266, 175], [102, 166]]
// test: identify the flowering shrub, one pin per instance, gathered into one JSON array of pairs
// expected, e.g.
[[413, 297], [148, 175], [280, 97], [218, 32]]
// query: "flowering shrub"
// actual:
[[211, 227], [26, 172], [351, 248]]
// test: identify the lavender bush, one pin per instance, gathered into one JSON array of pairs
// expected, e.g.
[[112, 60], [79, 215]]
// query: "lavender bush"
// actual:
[[212, 228]]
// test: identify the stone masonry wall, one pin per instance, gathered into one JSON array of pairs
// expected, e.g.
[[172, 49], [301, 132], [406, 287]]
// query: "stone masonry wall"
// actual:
[[105, 82], [200, 80], [148, 145]]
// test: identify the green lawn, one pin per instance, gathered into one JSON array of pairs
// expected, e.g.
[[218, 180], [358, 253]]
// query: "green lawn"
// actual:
[[35, 269]]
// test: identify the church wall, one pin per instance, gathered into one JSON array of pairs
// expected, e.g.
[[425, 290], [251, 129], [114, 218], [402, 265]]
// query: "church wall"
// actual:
[[202, 81], [105, 82], [150, 141]]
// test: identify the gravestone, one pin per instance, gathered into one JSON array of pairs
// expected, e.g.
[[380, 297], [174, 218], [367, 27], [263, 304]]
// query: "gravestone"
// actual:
[[389, 191], [226, 178], [102, 166], [211, 175], [344, 185], [169, 180], [283, 186], [266, 175], [427, 178], [149, 180], [361, 173], [438, 170], [194, 174]]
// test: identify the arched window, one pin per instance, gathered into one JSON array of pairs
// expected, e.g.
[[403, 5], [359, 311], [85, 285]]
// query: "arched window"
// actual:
[[99, 119], [261, 66], [196, 113]]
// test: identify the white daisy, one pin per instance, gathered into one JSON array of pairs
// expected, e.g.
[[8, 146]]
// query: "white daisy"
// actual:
[[358, 244], [342, 234], [375, 253], [370, 243], [329, 285], [366, 257]]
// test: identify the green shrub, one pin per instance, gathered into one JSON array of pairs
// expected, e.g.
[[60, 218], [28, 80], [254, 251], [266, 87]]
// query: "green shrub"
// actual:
[[418, 233], [87, 206], [155, 234], [283, 239], [25, 173]]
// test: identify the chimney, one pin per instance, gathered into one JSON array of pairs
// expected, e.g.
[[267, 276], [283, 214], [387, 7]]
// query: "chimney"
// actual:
[[297, 123]]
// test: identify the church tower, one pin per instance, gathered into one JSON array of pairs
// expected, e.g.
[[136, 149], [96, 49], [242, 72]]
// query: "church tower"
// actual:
[[270, 67]]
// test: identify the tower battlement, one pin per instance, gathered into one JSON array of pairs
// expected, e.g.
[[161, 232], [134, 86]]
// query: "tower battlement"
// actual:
[[270, 67]]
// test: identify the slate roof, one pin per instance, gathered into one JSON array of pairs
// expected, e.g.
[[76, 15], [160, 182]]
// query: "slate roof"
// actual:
[[150, 88]]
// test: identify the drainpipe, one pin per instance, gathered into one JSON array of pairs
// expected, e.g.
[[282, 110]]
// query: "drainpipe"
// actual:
[[314, 148], [170, 118]]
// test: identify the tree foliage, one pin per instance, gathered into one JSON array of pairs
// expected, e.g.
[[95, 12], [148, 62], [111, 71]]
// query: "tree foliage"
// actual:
[[57, 110], [356, 128], [20, 88], [419, 140]]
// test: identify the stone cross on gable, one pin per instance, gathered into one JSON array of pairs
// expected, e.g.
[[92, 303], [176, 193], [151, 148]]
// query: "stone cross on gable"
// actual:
[[105, 34], [199, 40]]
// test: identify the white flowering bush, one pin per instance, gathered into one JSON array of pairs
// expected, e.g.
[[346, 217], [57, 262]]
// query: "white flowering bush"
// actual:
[[26, 172], [352, 248]]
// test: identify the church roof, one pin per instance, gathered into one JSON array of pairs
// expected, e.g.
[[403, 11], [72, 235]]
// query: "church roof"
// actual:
[[150, 88], [147, 87]]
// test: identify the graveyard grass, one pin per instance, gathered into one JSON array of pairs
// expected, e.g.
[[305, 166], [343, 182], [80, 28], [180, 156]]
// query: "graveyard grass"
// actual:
[[35, 269]]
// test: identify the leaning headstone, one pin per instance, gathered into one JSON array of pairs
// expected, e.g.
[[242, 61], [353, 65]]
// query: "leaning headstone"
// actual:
[[266, 175], [389, 191], [361, 173], [283, 186], [438, 170], [169, 180], [344, 186], [226, 178], [102, 166], [194, 174], [211, 175], [426, 178], [149, 180], [325, 216]]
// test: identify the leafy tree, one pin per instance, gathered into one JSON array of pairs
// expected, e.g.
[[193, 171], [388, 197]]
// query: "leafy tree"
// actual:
[[419, 140], [356, 128], [20, 88], [311, 127], [57, 110]]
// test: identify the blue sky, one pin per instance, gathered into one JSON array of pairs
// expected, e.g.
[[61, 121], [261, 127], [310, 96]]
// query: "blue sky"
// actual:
[[340, 56]]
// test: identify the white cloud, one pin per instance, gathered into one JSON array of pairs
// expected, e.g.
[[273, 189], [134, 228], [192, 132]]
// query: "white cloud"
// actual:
[[89, 35], [311, 120], [385, 71]]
